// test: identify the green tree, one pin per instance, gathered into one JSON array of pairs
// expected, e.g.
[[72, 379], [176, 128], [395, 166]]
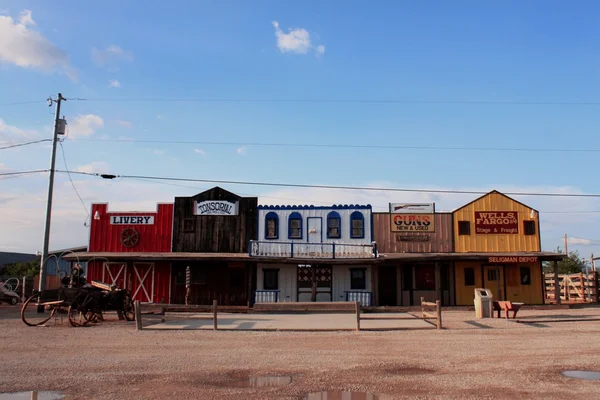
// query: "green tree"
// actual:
[[573, 264], [28, 269]]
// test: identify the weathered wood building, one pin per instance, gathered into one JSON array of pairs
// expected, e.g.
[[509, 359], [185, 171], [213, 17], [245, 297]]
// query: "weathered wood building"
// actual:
[[219, 223]]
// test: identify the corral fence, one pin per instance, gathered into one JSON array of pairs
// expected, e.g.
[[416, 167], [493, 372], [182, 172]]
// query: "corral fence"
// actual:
[[431, 311], [573, 288]]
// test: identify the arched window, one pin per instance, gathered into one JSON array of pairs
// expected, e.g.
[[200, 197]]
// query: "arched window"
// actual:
[[357, 225], [271, 226], [334, 225], [295, 226]]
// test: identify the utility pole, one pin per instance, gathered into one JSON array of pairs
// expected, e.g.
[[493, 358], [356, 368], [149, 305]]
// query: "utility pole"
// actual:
[[57, 126], [566, 246]]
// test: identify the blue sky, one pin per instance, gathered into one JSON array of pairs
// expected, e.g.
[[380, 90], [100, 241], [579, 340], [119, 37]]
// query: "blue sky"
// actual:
[[535, 51]]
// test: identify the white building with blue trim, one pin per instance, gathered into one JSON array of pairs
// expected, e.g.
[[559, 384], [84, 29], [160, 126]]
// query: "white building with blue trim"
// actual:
[[314, 253]]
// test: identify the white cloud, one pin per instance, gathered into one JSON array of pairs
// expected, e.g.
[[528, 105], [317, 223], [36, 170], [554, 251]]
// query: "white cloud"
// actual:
[[111, 56], [24, 47], [125, 124], [581, 241], [9, 133], [200, 151], [3, 167], [84, 125], [113, 83], [241, 150], [158, 152], [295, 41], [95, 167]]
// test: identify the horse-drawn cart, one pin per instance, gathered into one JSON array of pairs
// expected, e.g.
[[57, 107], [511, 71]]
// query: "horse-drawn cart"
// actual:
[[81, 302]]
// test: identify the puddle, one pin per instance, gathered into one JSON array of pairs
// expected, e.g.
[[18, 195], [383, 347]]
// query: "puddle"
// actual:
[[330, 395], [35, 395], [269, 381], [587, 375]]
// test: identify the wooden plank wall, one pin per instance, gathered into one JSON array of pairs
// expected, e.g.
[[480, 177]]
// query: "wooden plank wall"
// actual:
[[215, 234], [413, 242]]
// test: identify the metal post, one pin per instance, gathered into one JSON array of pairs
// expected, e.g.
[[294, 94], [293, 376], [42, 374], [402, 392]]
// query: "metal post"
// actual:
[[43, 269], [556, 283]]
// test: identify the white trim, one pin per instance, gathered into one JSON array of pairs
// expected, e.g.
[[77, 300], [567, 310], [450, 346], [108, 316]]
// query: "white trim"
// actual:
[[142, 281]]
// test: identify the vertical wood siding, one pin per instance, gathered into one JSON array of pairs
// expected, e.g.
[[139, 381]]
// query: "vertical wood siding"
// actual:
[[215, 234], [152, 238], [491, 242], [439, 241]]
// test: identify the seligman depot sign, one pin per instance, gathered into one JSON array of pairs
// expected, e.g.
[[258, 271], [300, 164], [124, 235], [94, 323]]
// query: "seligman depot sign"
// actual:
[[216, 207], [497, 222]]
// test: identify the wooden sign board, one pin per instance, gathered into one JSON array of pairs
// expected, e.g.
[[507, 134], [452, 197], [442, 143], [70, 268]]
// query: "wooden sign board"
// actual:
[[496, 222], [512, 260]]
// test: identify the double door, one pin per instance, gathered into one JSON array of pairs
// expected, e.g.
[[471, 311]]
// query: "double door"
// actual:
[[314, 283]]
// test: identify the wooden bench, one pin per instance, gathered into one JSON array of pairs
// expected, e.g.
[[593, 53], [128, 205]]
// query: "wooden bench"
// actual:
[[508, 306]]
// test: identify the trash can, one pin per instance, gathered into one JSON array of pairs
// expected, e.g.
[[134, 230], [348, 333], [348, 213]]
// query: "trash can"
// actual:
[[484, 301]]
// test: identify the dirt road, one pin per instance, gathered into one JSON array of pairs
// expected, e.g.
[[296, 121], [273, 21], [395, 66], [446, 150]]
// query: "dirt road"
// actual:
[[485, 359]]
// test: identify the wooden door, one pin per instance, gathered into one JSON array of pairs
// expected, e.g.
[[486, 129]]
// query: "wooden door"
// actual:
[[115, 274], [387, 287], [143, 282], [493, 279], [314, 283]]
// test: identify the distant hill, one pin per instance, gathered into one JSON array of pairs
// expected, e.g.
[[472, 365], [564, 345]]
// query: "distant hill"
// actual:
[[11, 258]]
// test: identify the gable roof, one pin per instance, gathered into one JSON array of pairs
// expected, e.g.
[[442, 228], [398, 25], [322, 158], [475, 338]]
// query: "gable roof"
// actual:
[[494, 192]]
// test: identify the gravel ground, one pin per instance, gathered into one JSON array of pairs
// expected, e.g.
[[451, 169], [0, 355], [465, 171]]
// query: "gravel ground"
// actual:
[[499, 359]]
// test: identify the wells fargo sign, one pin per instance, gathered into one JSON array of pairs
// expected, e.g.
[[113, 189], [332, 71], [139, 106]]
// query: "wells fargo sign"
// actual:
[[512, 260], [497, 222], [412, 223]]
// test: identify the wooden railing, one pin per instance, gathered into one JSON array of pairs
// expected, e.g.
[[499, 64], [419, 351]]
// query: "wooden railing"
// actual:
[[427, 312], [365, 298], [574, 288], [266, 296], [259, 248]]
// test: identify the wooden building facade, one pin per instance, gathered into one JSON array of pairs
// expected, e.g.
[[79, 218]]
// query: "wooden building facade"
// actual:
[[116, 235], [221, 223]]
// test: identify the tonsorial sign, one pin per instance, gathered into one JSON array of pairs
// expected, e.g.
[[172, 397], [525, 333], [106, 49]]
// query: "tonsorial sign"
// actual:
[[216, 207], [497, 222], [132, 219]]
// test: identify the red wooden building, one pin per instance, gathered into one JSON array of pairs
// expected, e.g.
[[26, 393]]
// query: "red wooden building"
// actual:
[[116, 237]]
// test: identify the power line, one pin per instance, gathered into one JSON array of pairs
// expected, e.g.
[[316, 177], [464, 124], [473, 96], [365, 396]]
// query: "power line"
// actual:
[[22, 103], [25, 144], [70, 179], [37, 171], [359, 101], [338, 187], [348, 146]]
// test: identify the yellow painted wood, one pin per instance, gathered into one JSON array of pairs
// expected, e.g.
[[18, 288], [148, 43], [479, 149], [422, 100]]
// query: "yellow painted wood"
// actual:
[[495, 242], [515, 291]]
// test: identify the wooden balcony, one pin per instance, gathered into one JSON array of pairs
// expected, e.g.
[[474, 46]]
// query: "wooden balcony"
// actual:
[[311, 250]]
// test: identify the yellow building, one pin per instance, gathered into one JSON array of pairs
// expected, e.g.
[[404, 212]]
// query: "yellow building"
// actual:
[[500, 240]]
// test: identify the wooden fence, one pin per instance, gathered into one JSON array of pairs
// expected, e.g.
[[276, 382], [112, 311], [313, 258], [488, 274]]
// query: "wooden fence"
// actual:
[[574, 288], [428, 313]]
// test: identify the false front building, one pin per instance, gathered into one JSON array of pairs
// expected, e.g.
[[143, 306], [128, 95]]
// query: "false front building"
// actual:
[[308, 253]]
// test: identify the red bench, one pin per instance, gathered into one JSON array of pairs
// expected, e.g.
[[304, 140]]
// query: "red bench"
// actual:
[[507, 306]]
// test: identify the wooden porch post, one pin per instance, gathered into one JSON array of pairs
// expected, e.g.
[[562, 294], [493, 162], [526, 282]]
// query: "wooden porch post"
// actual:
[[374, 284], [313, 278], [500, 293], [438, 284], [556, 283]]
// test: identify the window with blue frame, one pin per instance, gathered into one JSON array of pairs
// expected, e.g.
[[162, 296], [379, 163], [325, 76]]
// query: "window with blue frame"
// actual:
[[295, 226], [271, 226], [357, 225], [334, 225]]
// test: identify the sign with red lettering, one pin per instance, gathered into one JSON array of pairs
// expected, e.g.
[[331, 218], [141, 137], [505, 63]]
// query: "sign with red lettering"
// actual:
[[413, 223], [512, 260], [496, 222]]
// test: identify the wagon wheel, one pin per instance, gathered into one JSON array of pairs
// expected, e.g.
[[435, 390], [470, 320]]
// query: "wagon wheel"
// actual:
[[29, 311], [79, 311], [130, 237], [128, 308]]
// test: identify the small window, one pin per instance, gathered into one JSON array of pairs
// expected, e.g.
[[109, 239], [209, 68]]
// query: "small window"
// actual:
[[295, 226], [424, 277], [358, 280], [357, 225], [529, 227], [270, 279], [464, 227], [469, 276], [334, 223], [271, 226], [525, 276], [189, 225], [492, 275]]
